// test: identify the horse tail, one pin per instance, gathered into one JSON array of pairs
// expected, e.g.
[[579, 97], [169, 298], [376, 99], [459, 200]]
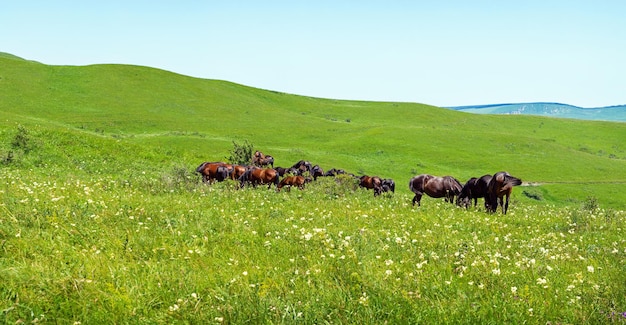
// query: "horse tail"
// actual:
[[411, 185]]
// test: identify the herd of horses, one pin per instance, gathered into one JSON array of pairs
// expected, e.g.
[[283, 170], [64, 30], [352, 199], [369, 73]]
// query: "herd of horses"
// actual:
[[495, 189]]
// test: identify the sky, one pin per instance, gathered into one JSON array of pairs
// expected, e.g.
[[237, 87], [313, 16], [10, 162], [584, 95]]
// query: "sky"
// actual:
[[442, 53]]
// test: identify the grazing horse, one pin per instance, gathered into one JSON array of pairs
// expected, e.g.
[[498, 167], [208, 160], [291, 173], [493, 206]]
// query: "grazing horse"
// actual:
[[213, 171], [290, 181], [256, 176], [265, 161], [501, 185], [334, 172], [388, 185], [372, 182], [282, 171], [317, 171], [303, 166], [236, 171], [262, 160], [436, 187], [475, 188]]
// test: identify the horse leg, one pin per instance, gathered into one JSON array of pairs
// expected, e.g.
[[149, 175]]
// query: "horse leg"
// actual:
[[506, 206], [417, 198]]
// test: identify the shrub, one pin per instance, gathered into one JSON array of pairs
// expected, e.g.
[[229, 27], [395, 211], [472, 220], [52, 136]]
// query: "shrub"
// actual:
[[241, 153]]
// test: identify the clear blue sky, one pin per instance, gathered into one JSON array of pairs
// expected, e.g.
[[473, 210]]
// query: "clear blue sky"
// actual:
[[444, 53]]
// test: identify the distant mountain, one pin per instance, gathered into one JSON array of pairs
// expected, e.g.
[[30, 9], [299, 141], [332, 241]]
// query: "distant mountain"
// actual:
[[609, 113]]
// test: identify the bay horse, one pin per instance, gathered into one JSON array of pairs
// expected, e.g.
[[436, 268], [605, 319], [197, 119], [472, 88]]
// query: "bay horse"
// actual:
[[501, 185], [475, 188], [213, 171], [447, 187], [262, 160], [256, 176], [236, 171], [372, 182], [291, 181]]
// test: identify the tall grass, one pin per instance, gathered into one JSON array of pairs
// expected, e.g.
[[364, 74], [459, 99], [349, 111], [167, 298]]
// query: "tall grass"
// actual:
[[166, 248]]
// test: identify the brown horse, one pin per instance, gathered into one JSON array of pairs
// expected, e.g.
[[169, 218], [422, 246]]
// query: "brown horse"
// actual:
[[436, 187], [291, 181], [501, 185], [372, 182], [236, 171], [475, 188], [256, 176], [213, 171], [263, 161]]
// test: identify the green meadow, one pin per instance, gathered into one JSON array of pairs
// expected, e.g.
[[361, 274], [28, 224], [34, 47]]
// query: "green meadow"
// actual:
[[103, 219]]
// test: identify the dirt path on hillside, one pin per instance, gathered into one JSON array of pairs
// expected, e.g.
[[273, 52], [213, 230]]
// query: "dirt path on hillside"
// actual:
[[539, 183]]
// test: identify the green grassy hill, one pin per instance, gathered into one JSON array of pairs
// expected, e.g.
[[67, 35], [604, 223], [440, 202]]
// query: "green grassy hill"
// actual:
[[142, 117]]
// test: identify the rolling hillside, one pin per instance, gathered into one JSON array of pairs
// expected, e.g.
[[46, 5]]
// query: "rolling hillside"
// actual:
[[611, 113], [141, 118]]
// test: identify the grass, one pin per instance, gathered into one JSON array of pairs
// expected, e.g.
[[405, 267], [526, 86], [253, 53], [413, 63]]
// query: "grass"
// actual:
[[152, 250], [104, 221]]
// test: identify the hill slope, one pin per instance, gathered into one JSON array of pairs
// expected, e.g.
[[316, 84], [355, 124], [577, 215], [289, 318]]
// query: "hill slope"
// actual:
[[611, 113], [150, 119]]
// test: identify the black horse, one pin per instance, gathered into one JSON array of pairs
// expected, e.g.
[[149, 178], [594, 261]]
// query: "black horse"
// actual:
[[475, 188], [388, 185]]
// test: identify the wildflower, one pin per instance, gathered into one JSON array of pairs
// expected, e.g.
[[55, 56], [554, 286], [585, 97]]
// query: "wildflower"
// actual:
[[513, 290], [388, 262], [590, 269], [495, 271], [388, 272], [363, 299]]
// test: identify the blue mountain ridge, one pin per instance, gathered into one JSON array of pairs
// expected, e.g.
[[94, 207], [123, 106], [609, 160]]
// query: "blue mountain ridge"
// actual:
[[615, 113]]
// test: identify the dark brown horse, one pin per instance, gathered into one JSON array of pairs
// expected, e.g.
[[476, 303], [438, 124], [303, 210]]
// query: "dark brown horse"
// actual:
[[317, 171], [475, 188], [291, 181], [282, 171], [256, 176], [213, 171], [436, 187], [372, 183], [303, 166], [501, 185]]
